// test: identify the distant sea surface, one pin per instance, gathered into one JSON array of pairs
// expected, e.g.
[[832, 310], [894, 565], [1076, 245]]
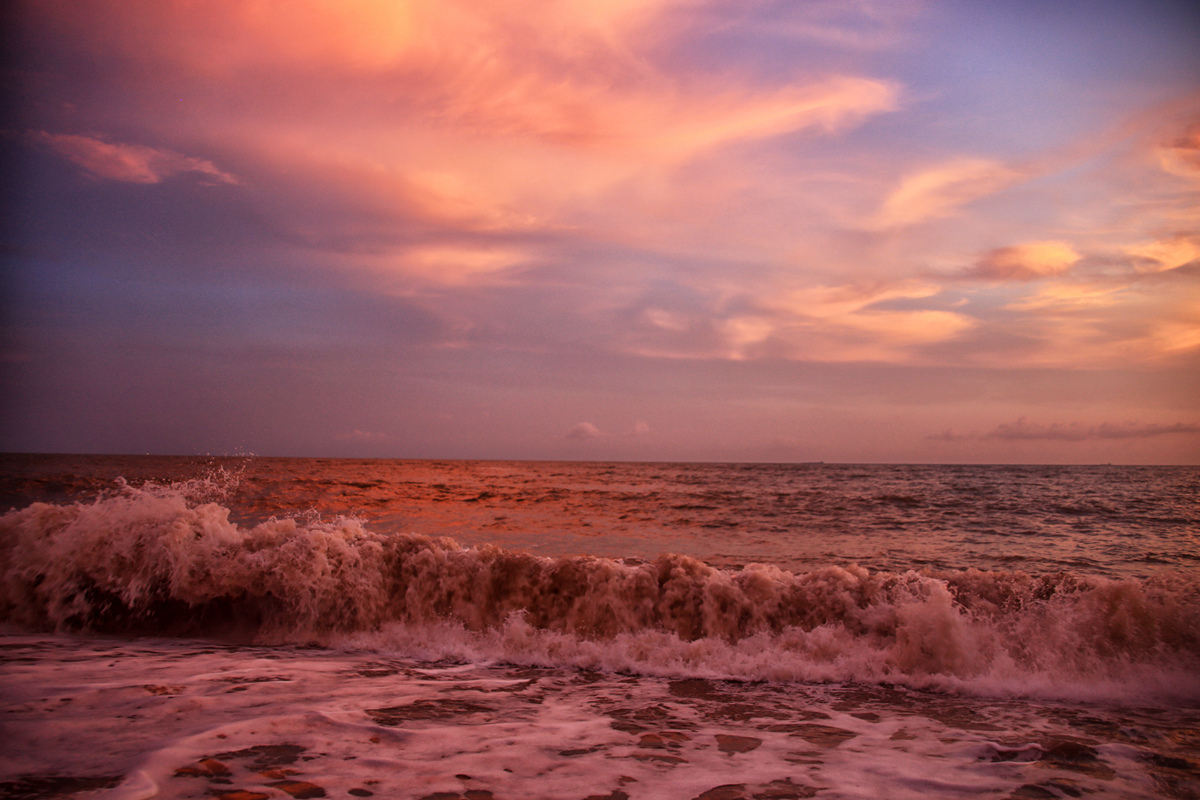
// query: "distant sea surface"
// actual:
[[597, 630]]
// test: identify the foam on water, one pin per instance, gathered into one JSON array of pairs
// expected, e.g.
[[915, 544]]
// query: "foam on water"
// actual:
[[187, 720], [167, 559]]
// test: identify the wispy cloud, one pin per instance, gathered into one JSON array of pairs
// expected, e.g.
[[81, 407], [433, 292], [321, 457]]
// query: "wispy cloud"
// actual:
[[1165, 254], [1075, 432], [852, 322], [1181, 156], [1026, 262], [1025, 430], [867, 26], [462, 149], [940, 191], [655, 184], [130, 163]]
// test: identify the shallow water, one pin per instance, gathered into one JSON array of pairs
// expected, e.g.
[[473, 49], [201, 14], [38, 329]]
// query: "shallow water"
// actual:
[[182, 719], [597, 630]]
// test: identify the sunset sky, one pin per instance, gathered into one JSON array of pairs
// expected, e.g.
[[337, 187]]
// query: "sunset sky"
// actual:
[[736, 230]]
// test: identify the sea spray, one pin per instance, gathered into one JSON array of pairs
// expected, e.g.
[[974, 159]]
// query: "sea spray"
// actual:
[[168, 560]]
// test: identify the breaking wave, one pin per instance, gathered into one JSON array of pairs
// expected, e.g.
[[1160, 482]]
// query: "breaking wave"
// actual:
[[167, 560]]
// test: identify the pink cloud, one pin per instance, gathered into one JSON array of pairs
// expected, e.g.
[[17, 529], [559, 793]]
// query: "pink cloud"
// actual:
[[129, 163], [1026, 262], [1162, 255], [517, 138], [940, 191], [1023, 430], [1182, 156], [584, 431]]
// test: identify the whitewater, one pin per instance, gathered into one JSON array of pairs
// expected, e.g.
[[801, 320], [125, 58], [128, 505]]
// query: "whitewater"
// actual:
[[255, 628]]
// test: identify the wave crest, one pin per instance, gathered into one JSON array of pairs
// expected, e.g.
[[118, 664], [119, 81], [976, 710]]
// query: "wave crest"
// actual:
[[168, 560]]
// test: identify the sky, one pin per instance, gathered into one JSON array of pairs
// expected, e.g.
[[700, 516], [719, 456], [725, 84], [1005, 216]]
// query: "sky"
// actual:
[[664, 230]]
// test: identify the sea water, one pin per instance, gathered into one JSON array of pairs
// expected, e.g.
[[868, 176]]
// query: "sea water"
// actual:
[[253, 628]]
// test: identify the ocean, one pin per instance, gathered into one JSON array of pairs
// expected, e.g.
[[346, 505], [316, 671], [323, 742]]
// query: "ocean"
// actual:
[[253, 628]]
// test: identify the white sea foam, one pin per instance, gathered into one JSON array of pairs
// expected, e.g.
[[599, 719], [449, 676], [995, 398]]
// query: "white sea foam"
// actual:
[[187, 719], [168, 560]]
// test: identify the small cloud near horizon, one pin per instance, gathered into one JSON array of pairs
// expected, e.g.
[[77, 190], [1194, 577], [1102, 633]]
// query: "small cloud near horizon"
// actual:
[[1024, 430], [584, 431]]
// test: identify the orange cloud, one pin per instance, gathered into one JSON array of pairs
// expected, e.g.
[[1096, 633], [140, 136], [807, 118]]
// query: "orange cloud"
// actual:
[[1176, 337], [1062, 297], [569, 72], [823, 323], [696, 122], [903, 329], [1164, 254], [840, 323], [1182, 156], [131, 163], [1103, 321], [940, 191], [1026, 262], [225, 37], [826, 302], [463, 116], [380, 34], [455, 264]]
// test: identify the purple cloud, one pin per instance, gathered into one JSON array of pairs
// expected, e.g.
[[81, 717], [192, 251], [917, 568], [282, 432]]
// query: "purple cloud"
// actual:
[[128, 163]]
